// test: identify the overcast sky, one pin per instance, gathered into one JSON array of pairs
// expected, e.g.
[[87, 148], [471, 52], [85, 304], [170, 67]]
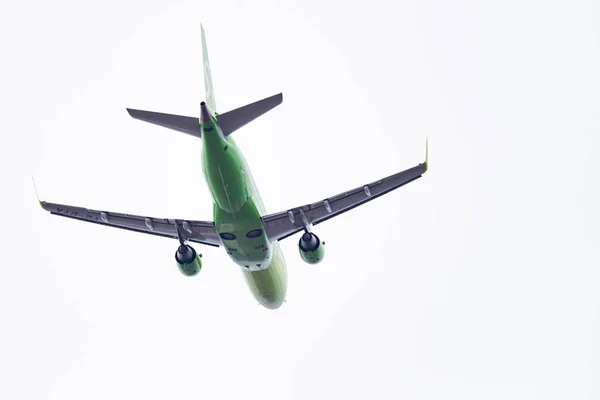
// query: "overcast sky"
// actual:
[[478, 281]]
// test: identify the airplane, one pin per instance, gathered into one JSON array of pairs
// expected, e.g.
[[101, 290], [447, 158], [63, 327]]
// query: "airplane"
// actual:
[[240, 223]]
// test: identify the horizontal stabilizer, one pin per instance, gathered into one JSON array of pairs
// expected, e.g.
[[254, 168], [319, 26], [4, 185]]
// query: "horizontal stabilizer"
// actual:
[[189, 125], [235, 119]]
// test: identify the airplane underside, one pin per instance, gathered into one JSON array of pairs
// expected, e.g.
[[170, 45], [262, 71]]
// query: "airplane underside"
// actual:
[[240, 224]]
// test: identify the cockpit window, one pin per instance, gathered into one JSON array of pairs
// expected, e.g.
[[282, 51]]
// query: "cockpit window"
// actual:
[[254, 233], [227, 236]]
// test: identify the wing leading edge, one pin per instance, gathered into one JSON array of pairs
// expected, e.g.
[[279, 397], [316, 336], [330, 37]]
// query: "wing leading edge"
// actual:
[[195, 231], [283, 224]]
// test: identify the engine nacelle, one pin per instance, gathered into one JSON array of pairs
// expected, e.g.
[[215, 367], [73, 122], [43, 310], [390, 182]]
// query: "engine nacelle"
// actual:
[[312, 250], [188, 261]]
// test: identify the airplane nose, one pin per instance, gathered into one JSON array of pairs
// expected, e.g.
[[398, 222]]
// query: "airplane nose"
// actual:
[[271, 300]]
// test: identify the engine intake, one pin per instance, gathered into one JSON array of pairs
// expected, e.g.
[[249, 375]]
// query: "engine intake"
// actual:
[[311, 248], [188, 260]]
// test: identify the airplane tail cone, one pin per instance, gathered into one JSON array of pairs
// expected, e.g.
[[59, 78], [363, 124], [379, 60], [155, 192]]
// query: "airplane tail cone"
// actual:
[[205, 113]]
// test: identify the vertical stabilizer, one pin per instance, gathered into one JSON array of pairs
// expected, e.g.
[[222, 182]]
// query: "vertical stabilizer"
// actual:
[[208, 87]]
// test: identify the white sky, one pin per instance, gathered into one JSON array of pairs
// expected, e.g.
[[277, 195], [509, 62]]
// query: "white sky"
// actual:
[[478, 281]]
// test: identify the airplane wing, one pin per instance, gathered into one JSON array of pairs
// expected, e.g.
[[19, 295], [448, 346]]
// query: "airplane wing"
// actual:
[[194, 231], [283, 224]]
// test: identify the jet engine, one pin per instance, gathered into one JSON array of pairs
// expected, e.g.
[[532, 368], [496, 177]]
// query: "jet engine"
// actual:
[[188, 261], [312, 250]]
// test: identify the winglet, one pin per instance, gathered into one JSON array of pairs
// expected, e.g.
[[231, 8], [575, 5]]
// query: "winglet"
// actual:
[[42, 204], [426, 163]]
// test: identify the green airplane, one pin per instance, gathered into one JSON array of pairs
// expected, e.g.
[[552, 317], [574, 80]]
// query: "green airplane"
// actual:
[[240, 223]]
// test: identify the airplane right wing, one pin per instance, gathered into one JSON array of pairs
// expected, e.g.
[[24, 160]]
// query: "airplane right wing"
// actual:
[[283, 224]]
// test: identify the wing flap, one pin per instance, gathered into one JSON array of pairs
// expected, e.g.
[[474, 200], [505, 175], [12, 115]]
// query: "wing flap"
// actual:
[[196, 231], [283, 224]]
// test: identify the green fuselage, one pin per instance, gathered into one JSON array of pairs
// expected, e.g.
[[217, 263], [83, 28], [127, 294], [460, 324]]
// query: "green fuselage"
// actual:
[[237, 211]]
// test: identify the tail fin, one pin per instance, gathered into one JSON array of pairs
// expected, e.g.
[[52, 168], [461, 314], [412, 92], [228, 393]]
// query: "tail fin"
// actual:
[[229, 121], [208, 87]]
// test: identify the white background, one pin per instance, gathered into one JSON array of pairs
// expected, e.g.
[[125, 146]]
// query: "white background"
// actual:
[[478, 281]]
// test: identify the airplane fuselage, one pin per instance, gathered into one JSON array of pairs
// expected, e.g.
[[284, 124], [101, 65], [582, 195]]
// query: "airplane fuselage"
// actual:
[[237, 214], [240, 223]]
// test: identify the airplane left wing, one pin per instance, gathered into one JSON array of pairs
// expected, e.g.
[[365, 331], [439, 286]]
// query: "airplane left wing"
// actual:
[[283, 224], [195, 231]]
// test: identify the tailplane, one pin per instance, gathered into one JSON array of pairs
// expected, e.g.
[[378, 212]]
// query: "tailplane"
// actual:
[[233, 120], [180, 123]]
